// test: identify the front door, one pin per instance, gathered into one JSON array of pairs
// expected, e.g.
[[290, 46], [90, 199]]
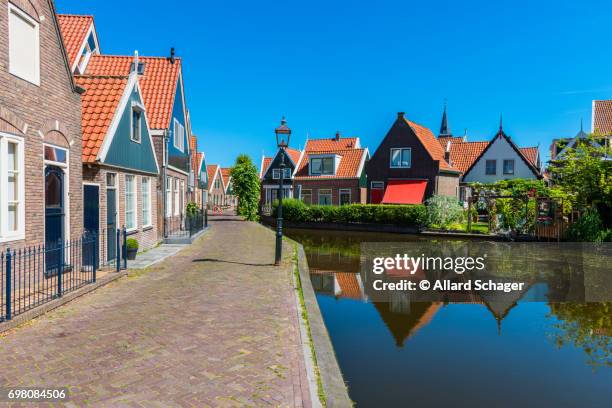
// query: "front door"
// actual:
[[111, 223], [91, 220], [54, 220]]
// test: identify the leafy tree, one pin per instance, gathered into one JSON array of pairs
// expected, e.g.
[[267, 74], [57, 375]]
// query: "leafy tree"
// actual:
[[585, 174], [443, 211], [245, 181]]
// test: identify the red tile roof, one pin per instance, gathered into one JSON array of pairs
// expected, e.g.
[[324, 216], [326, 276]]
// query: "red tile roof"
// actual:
[[531, 154], [225, 173], [211, 169], [292, 153], [431, 144], [349, 285], [264, 166], [463, 154], [74, 29], [98, 104], [331, 144], [348, 168], [445, 139], [602, 117], [158, 83], [199, 160], [193, 147]]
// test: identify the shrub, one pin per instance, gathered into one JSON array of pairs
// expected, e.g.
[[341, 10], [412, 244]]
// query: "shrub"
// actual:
[[192, 208], [404, 215], [443, 211], [132, 243], [588, 228]]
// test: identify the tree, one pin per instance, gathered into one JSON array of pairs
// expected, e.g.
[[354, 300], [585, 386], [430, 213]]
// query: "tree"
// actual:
[[245, 181]]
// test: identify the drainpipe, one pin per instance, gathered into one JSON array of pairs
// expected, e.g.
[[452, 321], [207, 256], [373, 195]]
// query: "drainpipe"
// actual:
[[164, 176]]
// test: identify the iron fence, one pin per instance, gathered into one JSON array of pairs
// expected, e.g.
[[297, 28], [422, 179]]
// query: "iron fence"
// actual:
[[34, 275], [185, 226]]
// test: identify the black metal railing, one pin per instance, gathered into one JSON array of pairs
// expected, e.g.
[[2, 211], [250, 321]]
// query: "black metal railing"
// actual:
[[184, 226], [35, 275]]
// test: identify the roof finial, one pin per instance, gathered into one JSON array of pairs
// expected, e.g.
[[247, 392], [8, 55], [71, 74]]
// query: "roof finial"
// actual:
[[501, 122]]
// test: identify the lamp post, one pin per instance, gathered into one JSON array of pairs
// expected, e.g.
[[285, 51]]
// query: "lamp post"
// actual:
[[283, 135]]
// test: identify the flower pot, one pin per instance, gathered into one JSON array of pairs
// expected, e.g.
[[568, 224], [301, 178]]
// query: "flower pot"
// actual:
[[131, 253]]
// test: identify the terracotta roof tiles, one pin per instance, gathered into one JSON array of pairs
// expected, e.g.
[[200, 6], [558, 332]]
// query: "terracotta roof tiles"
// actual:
[[98, 105], [602, 117], [225, 173], [431, 144], [350, 160], [531, 154], [74, 28], [331, 144], [158, 83]]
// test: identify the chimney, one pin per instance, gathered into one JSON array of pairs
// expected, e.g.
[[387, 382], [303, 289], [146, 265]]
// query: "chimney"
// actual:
[[337, 135], [447, 153], [400, 115], [172, 55]]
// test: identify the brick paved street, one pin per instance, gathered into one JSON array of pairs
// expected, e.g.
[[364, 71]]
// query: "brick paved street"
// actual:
[[215, 325]]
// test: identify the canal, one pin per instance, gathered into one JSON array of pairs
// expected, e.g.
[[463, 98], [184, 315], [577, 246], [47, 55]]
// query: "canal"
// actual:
[[446, 354]]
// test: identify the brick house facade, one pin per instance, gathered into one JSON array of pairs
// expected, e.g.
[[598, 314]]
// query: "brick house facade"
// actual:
[[40, 126]]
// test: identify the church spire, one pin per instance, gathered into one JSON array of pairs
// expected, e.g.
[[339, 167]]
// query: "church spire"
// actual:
[[444, 130]]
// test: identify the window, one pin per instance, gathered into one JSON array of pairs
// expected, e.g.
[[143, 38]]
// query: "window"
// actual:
[[325, 197], [345, 196], [377, 185], [286, 173], [55, 154], [136, 133], [88, 50], [401, 158], [24, 42], [141, 68], [179, 136], [146, 202], [168, 197], [307, 196], [12, 211], [111, 180], [491, 167], [321, 165], [508, 166], [176, 196], [130, 202], [182, 197]]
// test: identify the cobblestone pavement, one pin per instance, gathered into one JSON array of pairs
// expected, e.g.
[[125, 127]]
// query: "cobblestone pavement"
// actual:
[[215, 325]]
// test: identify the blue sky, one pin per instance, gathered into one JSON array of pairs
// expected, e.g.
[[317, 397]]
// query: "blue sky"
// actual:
[[351, 66]]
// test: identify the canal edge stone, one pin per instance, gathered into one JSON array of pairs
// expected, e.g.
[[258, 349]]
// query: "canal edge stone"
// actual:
[[336, 391]]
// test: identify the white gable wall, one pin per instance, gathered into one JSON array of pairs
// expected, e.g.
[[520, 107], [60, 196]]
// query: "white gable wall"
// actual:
[[500, 150]]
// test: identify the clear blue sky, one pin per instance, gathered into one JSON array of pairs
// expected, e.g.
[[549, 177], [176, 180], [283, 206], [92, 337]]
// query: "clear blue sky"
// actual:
[[350, 66]]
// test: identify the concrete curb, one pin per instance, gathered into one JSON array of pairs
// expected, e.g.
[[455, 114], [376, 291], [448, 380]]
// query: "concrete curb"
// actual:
[[335, 389], [54, 304]]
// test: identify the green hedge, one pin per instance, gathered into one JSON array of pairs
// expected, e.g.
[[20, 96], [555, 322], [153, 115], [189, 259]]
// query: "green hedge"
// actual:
[[403, 215]]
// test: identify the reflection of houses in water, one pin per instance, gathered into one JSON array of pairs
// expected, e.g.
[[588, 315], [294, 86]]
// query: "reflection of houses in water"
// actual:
[[347, 285], [404, 325]]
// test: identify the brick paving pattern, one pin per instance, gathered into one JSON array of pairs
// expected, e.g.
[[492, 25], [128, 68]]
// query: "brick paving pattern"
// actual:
[[215, 325]]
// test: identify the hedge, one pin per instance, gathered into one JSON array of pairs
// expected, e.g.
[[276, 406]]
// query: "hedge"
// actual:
[[404, 215]]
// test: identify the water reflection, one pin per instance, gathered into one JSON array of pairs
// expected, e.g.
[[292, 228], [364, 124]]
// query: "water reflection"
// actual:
[[473, 352]]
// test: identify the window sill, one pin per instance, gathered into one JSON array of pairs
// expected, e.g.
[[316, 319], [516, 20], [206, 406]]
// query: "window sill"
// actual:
[[147, 228], [131, 231], [11, 238]]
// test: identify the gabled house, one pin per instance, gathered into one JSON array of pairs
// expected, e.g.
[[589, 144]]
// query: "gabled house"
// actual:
[[161, 82], [216, 189], [80, 39], [41, 197], [202, 185], [410, 166], [229, 197], [270, 171], [120, 173], [331, 171]]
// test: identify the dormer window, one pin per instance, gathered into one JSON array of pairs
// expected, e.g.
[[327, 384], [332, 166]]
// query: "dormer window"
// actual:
[[88, 50], [286, 175], [141, 68], [136, 128], [321, 166]]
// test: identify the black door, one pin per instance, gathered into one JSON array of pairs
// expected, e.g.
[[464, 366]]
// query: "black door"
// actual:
[[111, 223], [91, 222], [54, 220]]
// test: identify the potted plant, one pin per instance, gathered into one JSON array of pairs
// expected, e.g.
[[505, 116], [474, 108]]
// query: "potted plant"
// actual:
[[132, 248]]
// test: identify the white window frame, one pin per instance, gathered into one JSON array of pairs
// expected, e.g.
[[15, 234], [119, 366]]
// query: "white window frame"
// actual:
[[15, 10], [134, 202], [331, 196], [140, 109], [175, 189], [344, 191], [182, 197], [321, 173], [19, 233], [179, 143], [169, 196], [146, 204], [309, 193], [400, 166]]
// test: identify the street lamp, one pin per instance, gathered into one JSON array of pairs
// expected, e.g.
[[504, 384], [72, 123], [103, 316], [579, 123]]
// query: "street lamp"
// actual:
[[283, 135]]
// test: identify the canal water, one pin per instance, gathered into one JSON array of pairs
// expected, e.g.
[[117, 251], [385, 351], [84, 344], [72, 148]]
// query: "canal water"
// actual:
[[445, 354]]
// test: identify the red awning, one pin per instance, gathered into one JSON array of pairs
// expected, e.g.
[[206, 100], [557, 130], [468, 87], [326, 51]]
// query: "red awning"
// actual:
[[404, 192]]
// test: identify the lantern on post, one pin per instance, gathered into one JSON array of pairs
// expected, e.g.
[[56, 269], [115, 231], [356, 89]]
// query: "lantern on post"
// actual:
[[283, 136]]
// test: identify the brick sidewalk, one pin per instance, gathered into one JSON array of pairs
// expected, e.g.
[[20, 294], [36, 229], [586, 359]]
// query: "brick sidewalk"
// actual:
[[215, 325]]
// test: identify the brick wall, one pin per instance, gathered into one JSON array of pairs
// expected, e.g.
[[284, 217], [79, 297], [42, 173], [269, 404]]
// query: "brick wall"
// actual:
[[34, 113], [448, 186], [334, 185]]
